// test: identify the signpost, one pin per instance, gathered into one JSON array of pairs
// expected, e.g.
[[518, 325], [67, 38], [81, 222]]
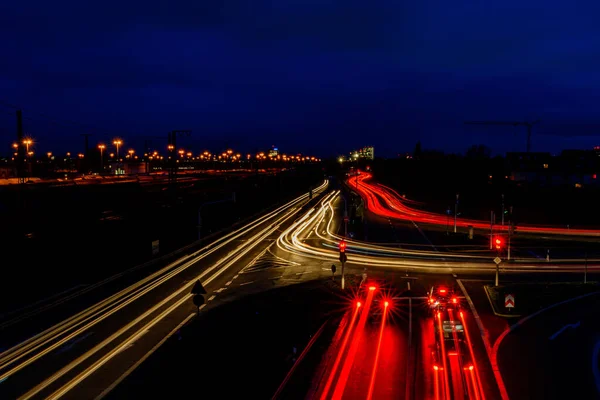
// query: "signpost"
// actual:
[[497, 260], [198, 291], [509, 301]]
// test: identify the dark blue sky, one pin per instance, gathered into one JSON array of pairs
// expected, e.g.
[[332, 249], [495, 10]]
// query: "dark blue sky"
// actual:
[[315, 76]]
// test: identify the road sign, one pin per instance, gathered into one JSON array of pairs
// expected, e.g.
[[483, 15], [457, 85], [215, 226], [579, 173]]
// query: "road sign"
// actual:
[[198, 288], [497, 260], [155, 247], [198, 300], [333, 268], [346, 219], [509, 301]]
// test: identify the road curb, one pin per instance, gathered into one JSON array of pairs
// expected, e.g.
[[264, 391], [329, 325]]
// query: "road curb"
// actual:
[[486, 343], [500, 339], [497, 313], [312, 341]]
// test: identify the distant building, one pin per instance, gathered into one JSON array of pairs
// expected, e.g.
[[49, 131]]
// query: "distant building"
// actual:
[[366, 153], [571, 168], [274, 152], [7, 171]]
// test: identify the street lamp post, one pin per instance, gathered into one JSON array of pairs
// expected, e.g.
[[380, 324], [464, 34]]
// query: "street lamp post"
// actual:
[[101, 147], [117, 143]]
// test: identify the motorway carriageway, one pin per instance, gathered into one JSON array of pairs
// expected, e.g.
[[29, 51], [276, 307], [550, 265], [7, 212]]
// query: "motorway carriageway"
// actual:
[[312, 236], [97, 347], [389, 356], [394, 206]]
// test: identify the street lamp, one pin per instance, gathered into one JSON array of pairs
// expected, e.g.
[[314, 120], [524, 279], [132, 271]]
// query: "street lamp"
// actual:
[[131, 153], [101, 147], [117, 143], [27, 142]]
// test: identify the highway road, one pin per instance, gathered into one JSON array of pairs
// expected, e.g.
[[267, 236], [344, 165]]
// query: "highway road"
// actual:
[[386, 202], [86, 353], [315, 236], [89, 353], [388, 355], [558, 353]]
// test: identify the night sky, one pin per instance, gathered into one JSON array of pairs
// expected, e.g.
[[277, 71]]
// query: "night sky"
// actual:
[[312, 76]]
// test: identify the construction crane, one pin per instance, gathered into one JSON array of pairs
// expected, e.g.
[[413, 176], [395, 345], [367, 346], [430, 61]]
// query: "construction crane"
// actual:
[[529, 125]]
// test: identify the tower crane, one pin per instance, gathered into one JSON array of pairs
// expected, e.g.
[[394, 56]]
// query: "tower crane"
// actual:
[[529, 125]]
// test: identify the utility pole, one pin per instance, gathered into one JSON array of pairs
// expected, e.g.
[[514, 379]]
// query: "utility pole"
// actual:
[[455, 212], [491, 229], [20, 148], [502, 209]]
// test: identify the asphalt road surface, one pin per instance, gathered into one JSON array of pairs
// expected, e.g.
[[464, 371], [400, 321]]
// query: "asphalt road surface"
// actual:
[[88, 354], [558, 353], [82, 356]]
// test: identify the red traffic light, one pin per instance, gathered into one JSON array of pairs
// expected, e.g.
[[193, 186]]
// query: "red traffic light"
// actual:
[[499, 243], [342, 246]]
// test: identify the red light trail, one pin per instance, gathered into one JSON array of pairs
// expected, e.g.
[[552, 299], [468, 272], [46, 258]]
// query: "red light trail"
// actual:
[[387, 203]]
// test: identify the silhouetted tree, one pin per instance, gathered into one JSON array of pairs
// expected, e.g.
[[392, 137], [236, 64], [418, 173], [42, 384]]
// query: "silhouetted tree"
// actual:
[[478, 152], [417, 152]]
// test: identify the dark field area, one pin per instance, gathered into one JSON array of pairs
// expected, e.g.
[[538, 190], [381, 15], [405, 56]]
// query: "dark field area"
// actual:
[[55, 238], [249, 343], [436, 183]]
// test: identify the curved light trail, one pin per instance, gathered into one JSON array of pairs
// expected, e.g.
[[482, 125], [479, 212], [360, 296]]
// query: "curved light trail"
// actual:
[[296, 240], [386, 202]]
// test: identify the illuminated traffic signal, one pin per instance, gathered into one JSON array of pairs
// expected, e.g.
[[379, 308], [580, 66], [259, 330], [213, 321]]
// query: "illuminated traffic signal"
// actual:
[[498, 242], [343, 246]]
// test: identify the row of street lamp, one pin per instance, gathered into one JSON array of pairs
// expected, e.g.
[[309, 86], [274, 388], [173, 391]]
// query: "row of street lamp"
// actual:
[[206, 155]]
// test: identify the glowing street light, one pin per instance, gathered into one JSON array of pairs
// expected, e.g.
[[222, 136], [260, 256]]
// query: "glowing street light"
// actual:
[[117, 143], [27, 143], [101, 147]]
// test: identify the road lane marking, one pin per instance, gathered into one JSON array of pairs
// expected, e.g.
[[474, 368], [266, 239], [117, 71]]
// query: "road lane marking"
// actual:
[[211, 298], [148, 354], [486, 343], [229, 283], [246, 283], [131, 342], [564, 328], [202, 306]]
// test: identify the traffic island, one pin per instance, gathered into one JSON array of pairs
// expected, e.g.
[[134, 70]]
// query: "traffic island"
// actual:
[[516, 300]]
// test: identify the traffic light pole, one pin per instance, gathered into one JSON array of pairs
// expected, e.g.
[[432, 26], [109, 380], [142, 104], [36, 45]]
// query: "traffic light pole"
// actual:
[[497, 273], [509, 235], [343, 275]]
